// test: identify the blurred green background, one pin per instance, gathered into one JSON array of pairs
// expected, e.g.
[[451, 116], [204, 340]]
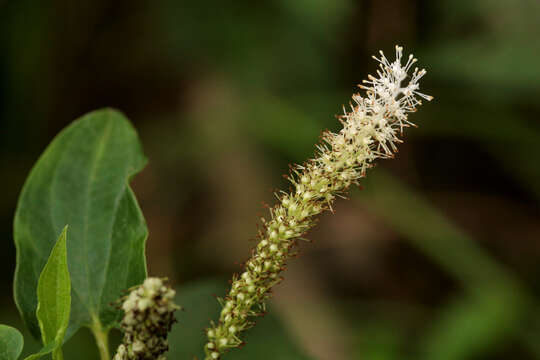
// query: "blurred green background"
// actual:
[[437, 258]]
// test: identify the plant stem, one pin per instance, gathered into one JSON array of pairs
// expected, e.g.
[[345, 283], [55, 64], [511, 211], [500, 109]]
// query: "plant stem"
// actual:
[[370, 132], [102, 340], [57, 354]]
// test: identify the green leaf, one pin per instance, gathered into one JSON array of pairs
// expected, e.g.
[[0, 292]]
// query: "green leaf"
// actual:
[[54, 295], [11, 343], [426, 228], [472, 325], [496, 301], [82, 180], [267, 340]]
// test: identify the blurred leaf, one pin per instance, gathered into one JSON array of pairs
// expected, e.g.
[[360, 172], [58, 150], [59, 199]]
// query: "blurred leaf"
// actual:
[[505, 135], [504, 19], [319, 16], [82, 180], [472, 325], [54, 296], [498, 55], [261, 45], [383, 330], [276, 116], [526, 171], [509, 67], [11, 343], [466, 121], [379, 341], [496, 300], [530, 334], [410, 215], [273, 125], [267, 340]]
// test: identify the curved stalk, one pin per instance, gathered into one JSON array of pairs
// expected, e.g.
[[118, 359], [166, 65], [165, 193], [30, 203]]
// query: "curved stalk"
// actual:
[[102, 340], [370, 132]]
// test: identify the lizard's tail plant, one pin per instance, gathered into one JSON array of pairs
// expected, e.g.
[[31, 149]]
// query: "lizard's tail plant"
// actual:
[[370, 132]]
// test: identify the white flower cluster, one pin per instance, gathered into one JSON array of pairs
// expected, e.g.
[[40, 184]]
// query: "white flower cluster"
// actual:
[[384, 110], [370, 132], [148, 317]]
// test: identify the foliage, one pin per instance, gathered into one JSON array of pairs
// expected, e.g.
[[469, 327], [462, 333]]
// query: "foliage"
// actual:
[[11, 343], [54, 297], [82, 180], [229, 83]]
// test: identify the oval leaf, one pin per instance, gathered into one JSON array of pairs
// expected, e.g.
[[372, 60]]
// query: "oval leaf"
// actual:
[[11, 343], [54, 295], [82, 180]]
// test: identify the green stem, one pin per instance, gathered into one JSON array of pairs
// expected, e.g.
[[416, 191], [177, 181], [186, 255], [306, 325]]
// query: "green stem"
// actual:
[[102, 340], [57, 354]]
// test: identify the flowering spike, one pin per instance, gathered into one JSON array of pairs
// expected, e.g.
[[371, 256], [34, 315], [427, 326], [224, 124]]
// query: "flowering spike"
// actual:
[[148, 317], [370, 132]]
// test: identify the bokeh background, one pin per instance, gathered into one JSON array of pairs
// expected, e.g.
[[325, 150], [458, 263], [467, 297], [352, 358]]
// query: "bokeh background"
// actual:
[[437, 258]]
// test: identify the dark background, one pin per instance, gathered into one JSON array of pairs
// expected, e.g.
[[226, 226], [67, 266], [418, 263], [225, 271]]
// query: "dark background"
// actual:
[[437, 258]]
